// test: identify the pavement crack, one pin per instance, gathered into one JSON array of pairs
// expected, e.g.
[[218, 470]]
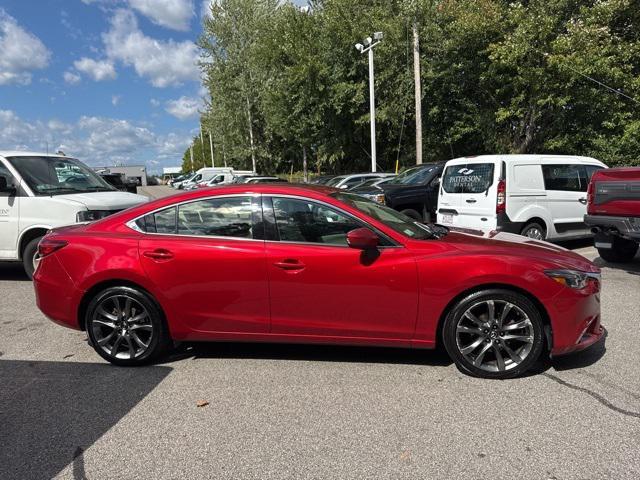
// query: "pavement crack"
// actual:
[[593, 394]]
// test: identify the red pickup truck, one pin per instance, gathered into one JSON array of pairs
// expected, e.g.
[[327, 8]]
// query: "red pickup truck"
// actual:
[[613, 212]]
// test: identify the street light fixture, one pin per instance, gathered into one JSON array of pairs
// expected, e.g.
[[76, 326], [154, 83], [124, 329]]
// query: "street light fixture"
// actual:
[[367, 47]]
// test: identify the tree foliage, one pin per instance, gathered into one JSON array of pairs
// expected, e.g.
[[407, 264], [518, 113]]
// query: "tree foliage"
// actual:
[[498, 77]]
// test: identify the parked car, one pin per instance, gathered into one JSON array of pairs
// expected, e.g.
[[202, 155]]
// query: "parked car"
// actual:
[[543, 197], [40, 191], [287, 263], [349, 181], [613, 213], [321, 179], [415, 191], [120, 182], [266, 180], [372, 189], [175, 182]]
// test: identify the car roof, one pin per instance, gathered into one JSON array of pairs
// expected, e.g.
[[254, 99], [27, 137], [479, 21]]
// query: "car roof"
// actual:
[[18, 153], [538, 158]]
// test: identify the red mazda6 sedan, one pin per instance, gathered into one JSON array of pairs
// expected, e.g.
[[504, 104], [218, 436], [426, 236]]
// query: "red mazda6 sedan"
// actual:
[[286, 263]]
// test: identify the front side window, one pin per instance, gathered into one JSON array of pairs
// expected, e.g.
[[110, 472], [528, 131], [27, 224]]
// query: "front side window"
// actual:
[[468, 178], [58, 175], [565, 178], [305, 221], [413, 176], [4, 171]]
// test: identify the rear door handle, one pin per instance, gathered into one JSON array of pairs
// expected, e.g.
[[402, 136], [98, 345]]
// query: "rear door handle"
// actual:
[[159, 254], [290, 264], [583, 200], [471, 200]]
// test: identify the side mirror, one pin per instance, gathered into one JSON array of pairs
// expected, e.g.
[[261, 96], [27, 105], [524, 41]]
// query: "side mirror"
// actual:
[[4, 187], [363, 239]]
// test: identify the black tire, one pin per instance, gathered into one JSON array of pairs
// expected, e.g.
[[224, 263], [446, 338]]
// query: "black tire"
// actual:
[[427, 217], [531, 227], [411, 213], [158, 340], [492, 345], [29, 255], [623, 251]]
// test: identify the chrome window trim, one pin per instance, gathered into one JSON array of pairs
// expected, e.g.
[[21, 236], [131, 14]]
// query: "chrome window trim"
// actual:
[[133, 226]]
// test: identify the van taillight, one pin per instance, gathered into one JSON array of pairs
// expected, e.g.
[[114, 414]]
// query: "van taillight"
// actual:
[[48, 246], [501, 200]]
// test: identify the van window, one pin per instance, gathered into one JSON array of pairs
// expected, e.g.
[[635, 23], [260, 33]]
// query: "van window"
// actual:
[[566, 178], [468, 178]]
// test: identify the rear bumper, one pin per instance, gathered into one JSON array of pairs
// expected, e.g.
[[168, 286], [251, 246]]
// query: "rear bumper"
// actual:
[[625, 226], [56, 295]]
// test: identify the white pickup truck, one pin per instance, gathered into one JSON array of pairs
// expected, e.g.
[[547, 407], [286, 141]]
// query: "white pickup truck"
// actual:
[[40, 191]]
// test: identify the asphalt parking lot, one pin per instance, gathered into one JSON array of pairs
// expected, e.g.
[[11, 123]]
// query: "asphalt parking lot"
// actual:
[[278, 411]]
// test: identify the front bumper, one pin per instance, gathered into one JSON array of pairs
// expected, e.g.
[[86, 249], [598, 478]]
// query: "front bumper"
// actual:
[[625, 226]]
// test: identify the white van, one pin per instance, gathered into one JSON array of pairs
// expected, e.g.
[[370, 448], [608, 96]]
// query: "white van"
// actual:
[[40, 191], [540, 196]]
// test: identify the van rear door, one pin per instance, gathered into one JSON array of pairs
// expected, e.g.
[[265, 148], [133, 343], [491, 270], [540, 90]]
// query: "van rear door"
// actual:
[[468, 194]]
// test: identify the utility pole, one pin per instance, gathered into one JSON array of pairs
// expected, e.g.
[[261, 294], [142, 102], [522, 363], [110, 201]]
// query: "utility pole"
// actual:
[[418, 91], [191, 154], [253, 153], [304, 164], [211, 147], [369, 43]]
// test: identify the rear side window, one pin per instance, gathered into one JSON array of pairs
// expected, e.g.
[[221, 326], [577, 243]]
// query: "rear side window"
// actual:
[[163, 221], [468, 178], [219, 217], [566, 178]]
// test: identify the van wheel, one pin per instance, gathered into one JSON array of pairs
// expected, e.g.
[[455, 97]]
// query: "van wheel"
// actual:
[[29, 257], [411, 213], [534, 230], [622, 251]]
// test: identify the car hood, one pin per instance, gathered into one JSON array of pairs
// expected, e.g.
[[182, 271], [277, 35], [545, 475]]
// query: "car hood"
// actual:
[[507, 244], [105, 200]]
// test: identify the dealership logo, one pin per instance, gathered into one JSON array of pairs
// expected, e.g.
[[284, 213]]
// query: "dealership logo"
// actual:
[[4, 212], [465, 171]]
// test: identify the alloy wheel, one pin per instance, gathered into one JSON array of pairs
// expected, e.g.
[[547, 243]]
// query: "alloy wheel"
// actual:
[[494, 335], [122, 327], [535, 233]]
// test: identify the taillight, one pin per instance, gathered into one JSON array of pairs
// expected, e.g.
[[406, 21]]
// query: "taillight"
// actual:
[[590, 195], [48, 246], [501, 199]]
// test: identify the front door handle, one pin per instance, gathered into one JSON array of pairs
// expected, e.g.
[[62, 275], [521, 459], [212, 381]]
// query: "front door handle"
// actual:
[[290, 264], [583, 200], [159, 254]]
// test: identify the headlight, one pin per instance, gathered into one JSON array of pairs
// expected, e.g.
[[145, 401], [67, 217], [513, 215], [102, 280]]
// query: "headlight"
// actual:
[[92, 215], [379, 198], [572, 278]]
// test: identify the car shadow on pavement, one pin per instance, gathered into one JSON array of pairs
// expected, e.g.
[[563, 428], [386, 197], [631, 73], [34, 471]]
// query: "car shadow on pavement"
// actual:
[[51, 412], [322, 353], [12, 271], [632, 268]]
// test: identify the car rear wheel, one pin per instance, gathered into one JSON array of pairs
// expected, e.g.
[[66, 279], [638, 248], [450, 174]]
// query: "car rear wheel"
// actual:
[[534, 230], [621, 251], [494, 334], [126, 327], [30, 257]]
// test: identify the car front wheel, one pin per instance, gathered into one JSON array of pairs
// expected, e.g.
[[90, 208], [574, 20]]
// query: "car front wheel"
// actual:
[[621, 251], [126, 327], [494, 334]]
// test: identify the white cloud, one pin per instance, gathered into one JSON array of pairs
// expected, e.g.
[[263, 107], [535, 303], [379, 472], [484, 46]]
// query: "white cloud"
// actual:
[[71, 78], [183, 108], [163, 63], [94, 140], [21, 52], [115, 99], [175, 14], [97, 69], [154, 102], [205, 9]]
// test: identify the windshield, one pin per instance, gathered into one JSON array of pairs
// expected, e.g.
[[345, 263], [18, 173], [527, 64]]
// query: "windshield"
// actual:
[[413, 176], [397, 221], [334, 181], [58, 175]]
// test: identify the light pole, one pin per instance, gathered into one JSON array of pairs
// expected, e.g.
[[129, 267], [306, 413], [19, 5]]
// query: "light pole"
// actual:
[[367, 47]]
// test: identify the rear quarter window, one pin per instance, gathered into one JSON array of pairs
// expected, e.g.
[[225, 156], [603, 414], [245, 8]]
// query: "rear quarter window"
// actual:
[[468, 178]]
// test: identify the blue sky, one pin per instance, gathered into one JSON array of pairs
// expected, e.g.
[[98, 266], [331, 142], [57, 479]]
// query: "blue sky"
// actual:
[[104, 80]]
